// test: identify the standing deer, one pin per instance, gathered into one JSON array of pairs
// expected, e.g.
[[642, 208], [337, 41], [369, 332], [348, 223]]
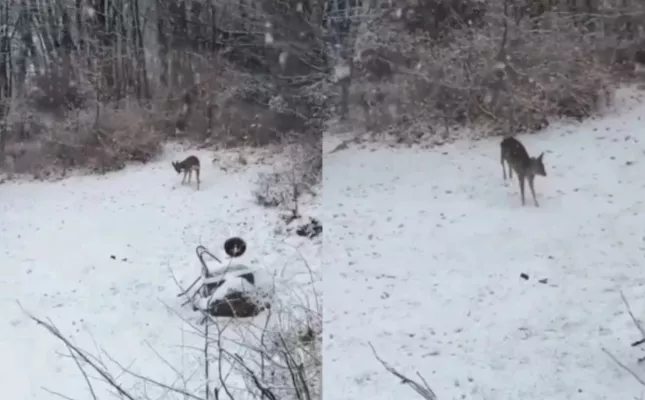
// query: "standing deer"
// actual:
[[190, 164], [515, 154]]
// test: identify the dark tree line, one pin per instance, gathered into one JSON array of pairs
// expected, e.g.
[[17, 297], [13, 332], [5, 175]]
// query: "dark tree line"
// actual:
[[73, 54], [250, 70], [508, 64]]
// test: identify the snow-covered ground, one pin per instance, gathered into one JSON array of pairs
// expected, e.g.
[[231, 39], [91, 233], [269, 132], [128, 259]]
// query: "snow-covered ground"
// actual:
[[423, 254], [94, 253]]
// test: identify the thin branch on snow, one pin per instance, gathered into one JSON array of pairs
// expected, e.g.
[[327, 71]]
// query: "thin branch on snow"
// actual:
[[151, 381], [264, 390], [638, 325], [206, 349], [207, 376], [81, 355], [76, 352], [168, 364], [623, 366], [53, 393], [80, 368], [423, 390], [218, 349]]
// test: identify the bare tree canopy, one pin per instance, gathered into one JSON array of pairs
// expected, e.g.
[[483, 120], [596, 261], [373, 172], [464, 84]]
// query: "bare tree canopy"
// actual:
[[100, 83]]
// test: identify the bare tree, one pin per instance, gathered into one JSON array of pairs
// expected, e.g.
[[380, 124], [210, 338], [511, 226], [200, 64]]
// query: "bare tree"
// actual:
[[200, 71]]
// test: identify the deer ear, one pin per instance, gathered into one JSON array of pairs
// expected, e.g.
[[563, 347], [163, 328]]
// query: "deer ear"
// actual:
[[540, 156]]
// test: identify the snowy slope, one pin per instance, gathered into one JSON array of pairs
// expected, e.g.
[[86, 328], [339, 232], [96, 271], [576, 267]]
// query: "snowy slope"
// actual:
[[423, 254], [57, 244]]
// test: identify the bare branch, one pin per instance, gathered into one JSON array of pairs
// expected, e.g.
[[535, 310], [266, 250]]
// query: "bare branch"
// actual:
[[80, 368], [79, 353], [634, 320], [422, 389], [623, 366]]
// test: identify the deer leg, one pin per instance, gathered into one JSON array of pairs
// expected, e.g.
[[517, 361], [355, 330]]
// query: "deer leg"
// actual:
[[533, 191], [197, 176], [184, 178], [521, 179], [190, 175], [510, 171]]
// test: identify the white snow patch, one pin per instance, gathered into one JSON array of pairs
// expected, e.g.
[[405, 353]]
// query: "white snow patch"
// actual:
[[282, 59], [342, 71], [89, 11], [424, 251], [94, 253]]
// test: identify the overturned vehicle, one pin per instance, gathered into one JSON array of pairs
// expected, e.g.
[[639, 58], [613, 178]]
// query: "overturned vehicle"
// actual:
[[233, 290]]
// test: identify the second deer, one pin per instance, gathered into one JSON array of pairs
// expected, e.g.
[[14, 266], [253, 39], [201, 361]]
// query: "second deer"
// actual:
[[190, 164], [526, 167]]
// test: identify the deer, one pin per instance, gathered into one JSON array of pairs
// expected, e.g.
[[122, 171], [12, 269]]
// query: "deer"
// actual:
[[190, 164], [526, 167]]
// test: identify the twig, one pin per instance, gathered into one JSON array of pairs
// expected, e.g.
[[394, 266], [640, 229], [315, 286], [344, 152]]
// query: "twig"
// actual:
[[296, 371], [184, 292], [303, 380], [101, 370], [62, 396], [77, 352], [220, 351], [262, 344], [631, 314], [80, 368], [146, 379], [180, 375], [265, 391], [423, 390], [623, 366], [206, 361]]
